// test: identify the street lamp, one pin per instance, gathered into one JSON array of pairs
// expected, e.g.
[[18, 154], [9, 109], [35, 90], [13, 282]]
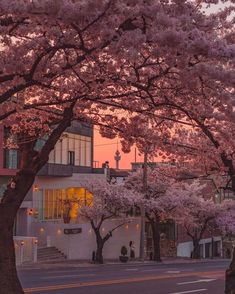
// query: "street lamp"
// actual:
[[142, 209]]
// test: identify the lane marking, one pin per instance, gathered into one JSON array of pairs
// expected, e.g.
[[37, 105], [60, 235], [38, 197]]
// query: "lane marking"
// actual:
[[131, 269], [190, 291], [152, 270], [67, 271], [113, 282], [66, 276], [173, 272], [197, 281]]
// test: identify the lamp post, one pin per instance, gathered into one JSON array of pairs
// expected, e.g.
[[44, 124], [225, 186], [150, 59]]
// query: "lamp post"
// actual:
[[142, 208]]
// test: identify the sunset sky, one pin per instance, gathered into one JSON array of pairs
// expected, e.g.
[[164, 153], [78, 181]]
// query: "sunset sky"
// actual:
[[104, 150]]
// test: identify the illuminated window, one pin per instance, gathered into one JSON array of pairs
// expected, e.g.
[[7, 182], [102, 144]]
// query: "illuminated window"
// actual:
[[65, 203]]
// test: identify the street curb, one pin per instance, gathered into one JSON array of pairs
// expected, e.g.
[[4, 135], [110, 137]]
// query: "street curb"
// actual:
[[79, 264]]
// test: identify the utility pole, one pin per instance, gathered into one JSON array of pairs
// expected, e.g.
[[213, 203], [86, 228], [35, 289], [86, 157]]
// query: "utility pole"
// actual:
[[142, 208]]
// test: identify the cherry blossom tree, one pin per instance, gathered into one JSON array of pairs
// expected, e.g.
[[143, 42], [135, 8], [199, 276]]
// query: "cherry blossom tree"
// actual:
[[226, 219], [198, 215], [63, 60], [49, 66], [162, 200], [110, 202]]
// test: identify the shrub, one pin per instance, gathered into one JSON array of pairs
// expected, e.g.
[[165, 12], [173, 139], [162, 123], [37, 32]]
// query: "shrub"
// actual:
[[123, 251]]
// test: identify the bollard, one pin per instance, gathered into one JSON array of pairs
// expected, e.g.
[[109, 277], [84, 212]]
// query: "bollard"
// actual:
[[230, 277], [93, 256], [21, 252], [35, 251]]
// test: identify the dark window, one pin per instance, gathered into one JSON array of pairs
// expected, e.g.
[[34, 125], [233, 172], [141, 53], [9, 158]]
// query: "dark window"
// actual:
[[71, 157], [11, 158], [40, 143], [168, 229]]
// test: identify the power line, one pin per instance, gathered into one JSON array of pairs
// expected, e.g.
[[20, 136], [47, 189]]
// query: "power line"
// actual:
[[105, 144]]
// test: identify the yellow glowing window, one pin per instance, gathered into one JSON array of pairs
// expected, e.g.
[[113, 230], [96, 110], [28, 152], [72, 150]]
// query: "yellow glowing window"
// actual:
[[60, 202]]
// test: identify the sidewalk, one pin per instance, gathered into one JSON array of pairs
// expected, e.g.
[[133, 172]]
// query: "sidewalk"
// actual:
[[86, 263]]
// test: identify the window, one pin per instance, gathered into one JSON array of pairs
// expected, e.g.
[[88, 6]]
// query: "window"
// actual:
[[71, 157], [61, 203], [168, 229], [72, 149], [40, 143], [11, 158]]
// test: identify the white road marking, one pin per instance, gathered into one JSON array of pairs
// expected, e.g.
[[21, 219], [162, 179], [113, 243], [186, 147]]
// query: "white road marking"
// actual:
[[131, 269], [190, 291], [173, 272], [151, 270], [197, 281], [66, 276], [53, 272]]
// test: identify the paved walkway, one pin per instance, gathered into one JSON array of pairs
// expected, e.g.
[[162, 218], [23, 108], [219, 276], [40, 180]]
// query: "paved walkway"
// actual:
[[82, 263]]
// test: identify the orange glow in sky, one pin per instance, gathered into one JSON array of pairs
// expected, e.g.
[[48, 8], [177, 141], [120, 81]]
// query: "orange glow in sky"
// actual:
[[104, 150]]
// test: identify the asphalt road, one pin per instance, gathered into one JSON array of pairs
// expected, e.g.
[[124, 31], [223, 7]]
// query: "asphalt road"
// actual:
[[202, 277]]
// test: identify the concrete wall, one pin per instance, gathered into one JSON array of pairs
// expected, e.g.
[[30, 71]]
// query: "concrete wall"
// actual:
[[80, 246], [25, 249], [63, 182], [184, 249]]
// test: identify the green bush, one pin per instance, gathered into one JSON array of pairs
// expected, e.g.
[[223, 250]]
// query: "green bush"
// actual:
[[123, 251]]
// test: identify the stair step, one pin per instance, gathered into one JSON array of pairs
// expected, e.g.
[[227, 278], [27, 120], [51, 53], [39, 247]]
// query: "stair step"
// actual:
[[52, 255], [50, 258], [48, 254], [47, 249]]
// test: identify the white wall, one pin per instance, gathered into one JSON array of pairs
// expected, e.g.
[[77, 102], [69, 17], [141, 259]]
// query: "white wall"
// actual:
[[75, 180], [25, 249], [80, 246], [184, 249]]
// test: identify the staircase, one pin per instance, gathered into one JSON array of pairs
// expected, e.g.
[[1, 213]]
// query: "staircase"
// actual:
[[50, 254]]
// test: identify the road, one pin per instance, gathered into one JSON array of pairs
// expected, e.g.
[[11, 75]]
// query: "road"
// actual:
[[183, 278]]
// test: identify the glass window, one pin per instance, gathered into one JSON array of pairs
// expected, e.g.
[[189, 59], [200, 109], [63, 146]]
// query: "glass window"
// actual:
[[46, 205], [11, 158], [71, 157], [88, 153], [40, 143], [83, 152], [65, 203]]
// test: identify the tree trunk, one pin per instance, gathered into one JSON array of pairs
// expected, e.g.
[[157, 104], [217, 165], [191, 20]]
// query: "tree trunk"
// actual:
[[230, 277], [196, 249], [155, 225], [9, 282], [99, 252], [31, 162]]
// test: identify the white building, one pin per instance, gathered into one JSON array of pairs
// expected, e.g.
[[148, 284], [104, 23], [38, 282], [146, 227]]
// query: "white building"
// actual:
[[46, 212]]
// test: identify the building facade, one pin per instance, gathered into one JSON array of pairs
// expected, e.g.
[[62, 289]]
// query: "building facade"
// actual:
[[51, 207], [47, 213]]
